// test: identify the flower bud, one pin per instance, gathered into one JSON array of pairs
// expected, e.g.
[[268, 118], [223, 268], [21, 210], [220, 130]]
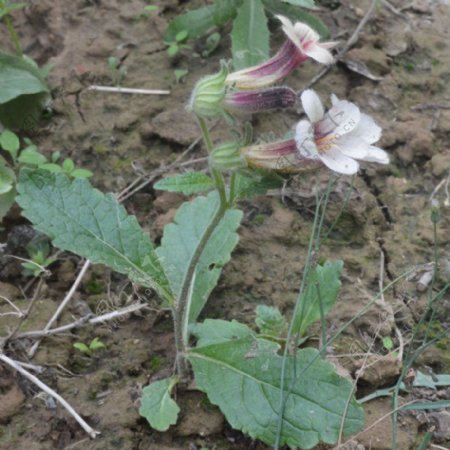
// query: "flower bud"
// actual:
[[208, 94], [227, 157]]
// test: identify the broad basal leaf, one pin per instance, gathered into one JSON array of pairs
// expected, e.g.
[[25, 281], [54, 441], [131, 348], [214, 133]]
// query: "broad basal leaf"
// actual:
[[323, 286], [215, 331], [196, 22], [182, 237], [18, 77], [85, 221], [186, 183], [23, 92], [242, 376], [250, 35], [157, 406]]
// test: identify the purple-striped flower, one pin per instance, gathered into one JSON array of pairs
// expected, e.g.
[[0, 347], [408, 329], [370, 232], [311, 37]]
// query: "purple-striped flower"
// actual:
[[260, 100], [335, 139], [302, 43]]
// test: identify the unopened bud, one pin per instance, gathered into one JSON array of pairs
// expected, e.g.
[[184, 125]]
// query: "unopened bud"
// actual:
[[208, 94], [227, 157], [435, 211]]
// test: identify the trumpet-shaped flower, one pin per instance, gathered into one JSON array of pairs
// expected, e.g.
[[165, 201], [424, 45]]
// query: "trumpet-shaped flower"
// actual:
[[335, 139], [260, 100], [339, 136], [302, 43]]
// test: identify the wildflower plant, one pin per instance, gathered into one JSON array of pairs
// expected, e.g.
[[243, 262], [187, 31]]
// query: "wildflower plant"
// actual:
[[263, 382]]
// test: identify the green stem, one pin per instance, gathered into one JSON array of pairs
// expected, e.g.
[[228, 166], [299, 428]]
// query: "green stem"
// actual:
[[232, 188], [218, 178], [13, 35], [183, 303]]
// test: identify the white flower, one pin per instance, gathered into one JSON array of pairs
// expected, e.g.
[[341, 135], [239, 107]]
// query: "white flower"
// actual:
[[339, 136], [307, 40]]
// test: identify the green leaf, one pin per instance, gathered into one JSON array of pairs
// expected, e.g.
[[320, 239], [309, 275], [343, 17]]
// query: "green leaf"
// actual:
[[96, 343], [257, 183], [431, 381], [51, 167], [18, 77], [296, 15], [224, 10], [270, 321], [10, 142], [216, 331], [242, 377], [323, 285], [81, 173], [173, 49], [186, 183], [250, 35], [23, 92], [302, 3], [181, 238], [6, 201], [82, 347], [181, 36], [7, 178], [83, 220], [31, 156], [68, 165], [157, 406], [180, 74], [197, 23]]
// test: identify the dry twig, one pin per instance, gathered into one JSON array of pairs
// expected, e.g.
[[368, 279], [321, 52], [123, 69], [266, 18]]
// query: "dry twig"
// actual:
[[18, 367]]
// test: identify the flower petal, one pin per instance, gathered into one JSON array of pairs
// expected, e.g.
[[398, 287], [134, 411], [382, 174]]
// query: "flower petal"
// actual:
[[312, 105], [319, 54], [353, 146], [305, 33], [304, 138], [378, 155], [289, 30], [341, 119], [335, 160], [367, 129]]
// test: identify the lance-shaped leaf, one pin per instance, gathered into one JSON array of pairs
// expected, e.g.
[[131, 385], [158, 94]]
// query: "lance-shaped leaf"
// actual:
[[181, 239], [250, 35], [242, 376], [321, 291], [186, 183], [157, 406], [85, 221]]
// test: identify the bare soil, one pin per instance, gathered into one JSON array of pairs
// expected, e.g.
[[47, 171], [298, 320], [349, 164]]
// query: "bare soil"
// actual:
[[119, 137]]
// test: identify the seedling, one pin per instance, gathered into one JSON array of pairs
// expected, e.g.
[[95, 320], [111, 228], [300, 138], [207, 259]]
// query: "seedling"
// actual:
[[178, 44], [38, 250], [117, 69], [94, 345], [180, 74]]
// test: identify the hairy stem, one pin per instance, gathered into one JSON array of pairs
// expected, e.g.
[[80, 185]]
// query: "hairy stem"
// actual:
[[183, 303]]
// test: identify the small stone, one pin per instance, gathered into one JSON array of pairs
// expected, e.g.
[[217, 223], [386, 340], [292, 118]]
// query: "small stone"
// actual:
[[440, 164], [9, 291], [11, 399], [174, 125]]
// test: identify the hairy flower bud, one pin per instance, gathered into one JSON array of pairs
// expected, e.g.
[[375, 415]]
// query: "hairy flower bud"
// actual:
[[227, 157], [208, 94]]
